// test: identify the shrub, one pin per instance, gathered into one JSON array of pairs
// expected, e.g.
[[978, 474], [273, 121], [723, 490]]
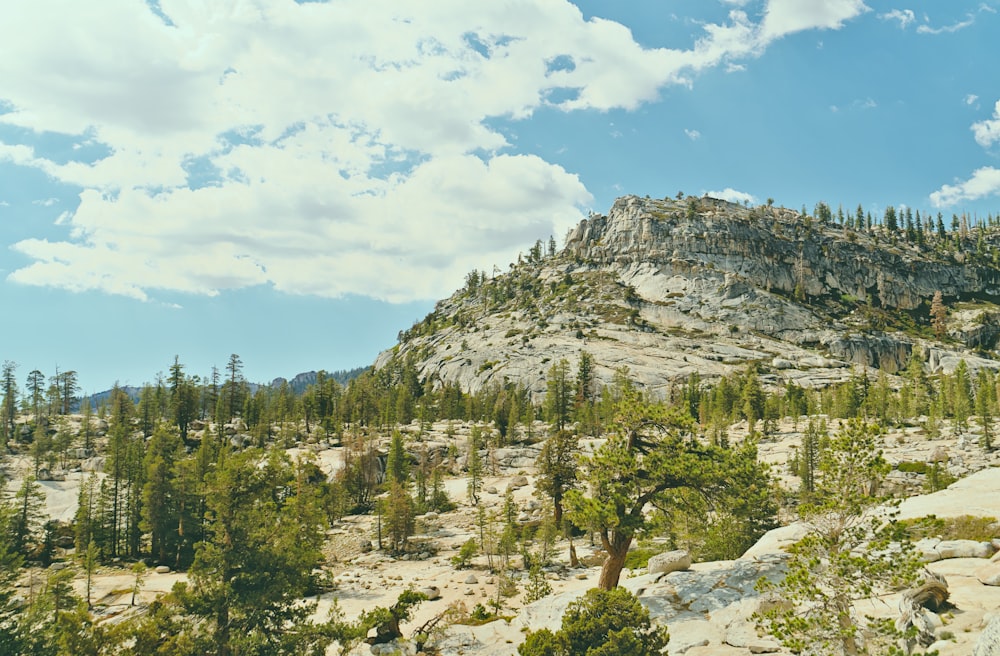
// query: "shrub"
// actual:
[[465, 554], [602, 623]]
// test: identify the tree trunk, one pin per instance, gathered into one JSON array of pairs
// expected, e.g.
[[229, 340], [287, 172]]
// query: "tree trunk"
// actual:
[[617, 548], [222, 630], [847, 627]]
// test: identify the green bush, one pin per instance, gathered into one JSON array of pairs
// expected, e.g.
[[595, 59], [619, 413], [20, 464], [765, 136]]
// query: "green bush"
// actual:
[[465, 554], [964, 527], [602, 623]]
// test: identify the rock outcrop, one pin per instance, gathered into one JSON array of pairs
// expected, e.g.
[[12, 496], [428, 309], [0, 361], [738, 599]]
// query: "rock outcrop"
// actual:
[[701, 286]]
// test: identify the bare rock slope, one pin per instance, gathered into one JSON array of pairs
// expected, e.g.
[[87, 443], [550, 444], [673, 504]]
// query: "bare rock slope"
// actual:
[[673, 288]]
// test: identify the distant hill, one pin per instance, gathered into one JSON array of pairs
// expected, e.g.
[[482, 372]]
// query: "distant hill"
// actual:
[[699, 286], [299, 383]]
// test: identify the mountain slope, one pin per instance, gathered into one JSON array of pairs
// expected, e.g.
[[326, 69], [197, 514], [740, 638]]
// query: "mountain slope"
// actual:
[[671, 288]]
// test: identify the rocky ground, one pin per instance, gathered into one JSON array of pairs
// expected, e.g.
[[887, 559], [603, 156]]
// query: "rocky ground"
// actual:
[[706, 607]]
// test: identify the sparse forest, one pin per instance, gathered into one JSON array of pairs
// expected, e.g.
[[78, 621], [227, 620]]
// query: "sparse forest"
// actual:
[[196, 477], [219, 479]]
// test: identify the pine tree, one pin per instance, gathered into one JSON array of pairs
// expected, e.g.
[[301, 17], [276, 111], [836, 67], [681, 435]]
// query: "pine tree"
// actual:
[[8, 411], [159, 502], [397, 468], [558, 395], [474, 464], [890, 221], [26, 521], [939, 316], [985, 403], [825, 575], [557, 469], [254, 567]]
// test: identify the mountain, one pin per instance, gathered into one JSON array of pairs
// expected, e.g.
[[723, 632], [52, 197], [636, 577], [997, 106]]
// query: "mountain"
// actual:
[[302, 381], [671, 288]]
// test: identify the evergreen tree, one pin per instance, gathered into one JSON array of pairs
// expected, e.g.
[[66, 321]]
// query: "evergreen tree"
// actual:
[[809, 455], [985, 404], [557, 469], [8, 411], [474, 464], [890, 221], [397, 468], [961, 396], [36, 392], [826, 575], [651, 453], [251, 572], [939, 316], [558, 395], [399, 516], [159, 503], [25, 523]]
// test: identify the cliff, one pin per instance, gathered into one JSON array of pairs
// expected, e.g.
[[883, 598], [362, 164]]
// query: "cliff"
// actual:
[[671, 288]]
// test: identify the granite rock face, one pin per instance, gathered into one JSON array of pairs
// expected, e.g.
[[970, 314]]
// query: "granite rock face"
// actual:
[[702, 286]]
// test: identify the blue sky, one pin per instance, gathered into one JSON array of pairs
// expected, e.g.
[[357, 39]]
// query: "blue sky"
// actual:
[[297, 182]]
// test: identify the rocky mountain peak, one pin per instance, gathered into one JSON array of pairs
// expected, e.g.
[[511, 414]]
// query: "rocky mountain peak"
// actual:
[[674, 287]]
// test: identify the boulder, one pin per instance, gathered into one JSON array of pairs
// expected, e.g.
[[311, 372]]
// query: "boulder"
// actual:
[[162, 569], [964, 549], [95, 464], [669, 561], [432, 592], [471, 579], [517, 482], [989, 574], [988, 643]]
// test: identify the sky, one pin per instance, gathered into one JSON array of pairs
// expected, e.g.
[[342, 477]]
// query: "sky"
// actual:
[[296, 182]]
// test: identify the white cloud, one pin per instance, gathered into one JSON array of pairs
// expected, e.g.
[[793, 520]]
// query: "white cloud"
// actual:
[[946, 29], [344, 147], [788, 16], [987, 132], [971, 99], [47, 202], [693, 135], [984, 182], [904, 16], [732, 195]]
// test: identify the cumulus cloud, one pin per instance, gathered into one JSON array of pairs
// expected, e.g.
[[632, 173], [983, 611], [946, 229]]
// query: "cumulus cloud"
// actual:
[[983, 183], [987, 132], [788, 16], [693, 135], [903, 16], [323, 148], [732, 195]]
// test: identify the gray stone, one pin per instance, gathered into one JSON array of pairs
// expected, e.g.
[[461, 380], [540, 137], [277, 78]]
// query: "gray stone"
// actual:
[[669, 561], [964, 549], [988, 643], [517, 482], [162, 569], [432, 592], [471, 579], [989, 574]]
